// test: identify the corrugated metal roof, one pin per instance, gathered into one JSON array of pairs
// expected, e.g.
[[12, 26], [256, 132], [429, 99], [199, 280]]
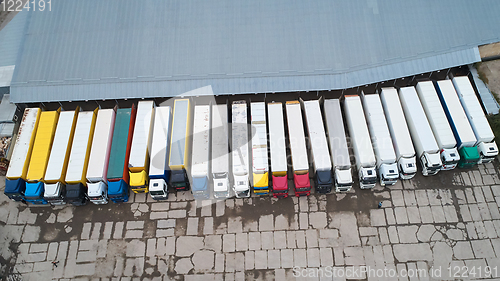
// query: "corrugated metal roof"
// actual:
[[117, 49]]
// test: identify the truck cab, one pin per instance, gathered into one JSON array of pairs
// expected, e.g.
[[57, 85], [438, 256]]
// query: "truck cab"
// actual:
[[368, 177], [55, 193], [302, 184], [139, 182], [343, 180], [158, 189], [241, 186], [323, 181], [34, 193], [179, 180], [118, 191], [449, 158], [75, 194], [468, 157], [431, 164], [14, 189], [280, 185], [221, 185], [261, 183], [487, 152], [200, 188], [388, 174], [98, 193], [407, 168]]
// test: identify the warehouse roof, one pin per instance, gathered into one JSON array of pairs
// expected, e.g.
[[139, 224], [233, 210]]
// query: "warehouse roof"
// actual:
[[84, 50]]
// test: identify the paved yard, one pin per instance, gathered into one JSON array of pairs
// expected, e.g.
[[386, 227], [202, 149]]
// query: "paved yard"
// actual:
[[445, 224]]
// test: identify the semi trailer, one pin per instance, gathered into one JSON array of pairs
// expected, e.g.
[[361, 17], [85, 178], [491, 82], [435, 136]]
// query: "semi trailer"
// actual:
[[201, 148], [425, 144], [486, 145], [298, 150], [337, 141], [260, 164], [159, 173], [138, 163], [97, 180], [118, 173], [180, 145], [220, 151], [239, 149], [55, 176], [464, 135], [387, 167], [403, 146], [361, 142], [15, 183], [277, 145], [439, 124], [40, 157], [318, 147], [76, 175]]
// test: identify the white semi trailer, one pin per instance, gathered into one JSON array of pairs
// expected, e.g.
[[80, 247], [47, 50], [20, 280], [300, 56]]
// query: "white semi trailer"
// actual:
[[439, 124], [381, 140], [339, 151], [239, 149], [159, 172], [220, 151], [421, 132], [486, 145], [201, 147], [405, 153], [361, 142]]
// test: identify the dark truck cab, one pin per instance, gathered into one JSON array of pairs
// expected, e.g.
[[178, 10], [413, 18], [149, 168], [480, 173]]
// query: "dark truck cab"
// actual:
[[76, 194], [14, 189]]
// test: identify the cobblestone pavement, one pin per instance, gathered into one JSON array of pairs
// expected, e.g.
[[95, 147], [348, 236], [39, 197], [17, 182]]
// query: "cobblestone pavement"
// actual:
[[433, 223]]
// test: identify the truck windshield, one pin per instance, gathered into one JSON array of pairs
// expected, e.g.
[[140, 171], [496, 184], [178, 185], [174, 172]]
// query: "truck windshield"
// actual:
[[159, 192]]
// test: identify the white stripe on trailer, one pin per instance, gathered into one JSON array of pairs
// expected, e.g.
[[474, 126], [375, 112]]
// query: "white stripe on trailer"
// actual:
[[259, 137], [277, 137], [317, 135], [160, 141], [141, 138], [101, 146], [79, 148], [435, 115], [462, 125], [22, 144], [201, 140], [240, 138], [475, 114], [61, 143], [296, 137], [336, 133]]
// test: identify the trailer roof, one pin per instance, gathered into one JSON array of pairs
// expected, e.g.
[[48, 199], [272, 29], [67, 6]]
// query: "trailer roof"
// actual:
[[359, 134], [220, 139], [296, 136], [180, 133], [130, 49], [239, 134], [379, 132], [336, 133], [141, 138], [118, 152], [317, 136], [80, 150], [397, 122], [62, 138], [474, 111], [160, 140], [415, 113], [277, 137], [101, 144], [27, 131], [201, 140], [435, 114], [457, 112], [259, 137]]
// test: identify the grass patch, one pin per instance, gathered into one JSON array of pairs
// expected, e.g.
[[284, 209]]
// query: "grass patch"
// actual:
[[495, 125]]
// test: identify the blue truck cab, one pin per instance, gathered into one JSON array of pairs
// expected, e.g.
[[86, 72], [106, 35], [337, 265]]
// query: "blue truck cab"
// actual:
[[118, 191], [34, 193], [14, 189]]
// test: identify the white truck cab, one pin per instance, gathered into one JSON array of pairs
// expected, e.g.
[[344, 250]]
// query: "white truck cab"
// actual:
[[54, 193], [98, 193], [158, 189]]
